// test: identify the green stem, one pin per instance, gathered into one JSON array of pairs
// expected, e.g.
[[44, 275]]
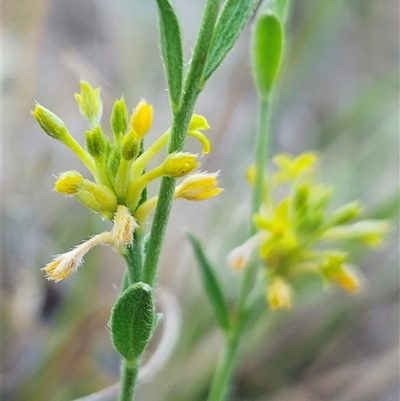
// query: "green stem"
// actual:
[[179, 130], [261, 154], [224, 371], [129, 375], [134, 258], [223, 375]]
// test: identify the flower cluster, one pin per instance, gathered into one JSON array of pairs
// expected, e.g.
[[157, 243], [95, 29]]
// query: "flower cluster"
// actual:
[[119, 170], [295, 233]]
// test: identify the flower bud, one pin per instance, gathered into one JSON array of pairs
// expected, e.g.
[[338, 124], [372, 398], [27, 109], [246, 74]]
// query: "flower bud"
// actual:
[[96, 142], [90, 104], [179, 164], [142, 118], [130, 146], [345, 213], [279, 294], [119, 119], [68, 183], [51, 124], [369, 231]]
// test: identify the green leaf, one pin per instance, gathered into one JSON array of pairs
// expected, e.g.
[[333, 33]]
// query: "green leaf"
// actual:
[[231, 22], [211, 285], [171, 49], [132, 321], [267, 49]]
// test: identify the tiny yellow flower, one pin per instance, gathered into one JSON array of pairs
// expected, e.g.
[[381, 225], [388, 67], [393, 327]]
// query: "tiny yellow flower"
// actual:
[[198, 187], [118, 191], [63, 265], [347, 279], [293, 167], [179, 164], [142, 119], [279, 294], [198, 123], [120, 236], [90, 104], [68, 183]]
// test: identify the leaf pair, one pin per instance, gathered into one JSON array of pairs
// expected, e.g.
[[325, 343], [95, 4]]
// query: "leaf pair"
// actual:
[[232, 20]]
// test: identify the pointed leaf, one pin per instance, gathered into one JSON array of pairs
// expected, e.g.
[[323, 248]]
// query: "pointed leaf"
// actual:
[[211, 284], [171, 48], [267, 49], [231, 22], [132, 321]]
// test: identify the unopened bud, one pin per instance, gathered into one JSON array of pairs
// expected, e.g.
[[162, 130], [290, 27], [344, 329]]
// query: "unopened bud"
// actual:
[[142, 118], [345, 213], [51, 124], [96, 142], [279, 294], [130, 146], [90, 104], [119, 119]]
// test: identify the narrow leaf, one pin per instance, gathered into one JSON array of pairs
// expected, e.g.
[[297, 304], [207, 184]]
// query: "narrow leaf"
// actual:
[[211, 284], [267, 49], [132, 321], [171, 48], [231, 22]]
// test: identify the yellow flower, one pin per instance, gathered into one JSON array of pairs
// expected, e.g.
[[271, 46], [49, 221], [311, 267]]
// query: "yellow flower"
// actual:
[[118, 167], [198, 187], [119, 237], [179, 164], [279, 294], [142, 119]]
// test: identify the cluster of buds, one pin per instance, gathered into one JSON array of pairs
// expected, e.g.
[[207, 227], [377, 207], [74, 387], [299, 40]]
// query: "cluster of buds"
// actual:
[[119, 171], [295, 234]]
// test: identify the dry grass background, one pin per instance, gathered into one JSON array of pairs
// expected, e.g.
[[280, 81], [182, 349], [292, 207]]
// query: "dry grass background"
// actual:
[[339, 95]]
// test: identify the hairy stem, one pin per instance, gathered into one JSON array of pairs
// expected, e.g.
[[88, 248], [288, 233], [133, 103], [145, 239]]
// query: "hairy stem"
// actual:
[[129, 375], [179, 129]]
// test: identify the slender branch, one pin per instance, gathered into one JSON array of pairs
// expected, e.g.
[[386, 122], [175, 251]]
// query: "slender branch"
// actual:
[[261, 154], [222, 377], [134, 258], [226, 364], [180, 126], [129, 375]]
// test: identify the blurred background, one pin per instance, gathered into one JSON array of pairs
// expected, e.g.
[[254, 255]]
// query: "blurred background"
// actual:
[[339, 95]]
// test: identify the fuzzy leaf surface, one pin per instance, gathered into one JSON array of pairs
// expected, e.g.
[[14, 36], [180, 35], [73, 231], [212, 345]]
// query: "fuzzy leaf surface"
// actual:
[[171, 49], [231, 22], [132, 321]]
